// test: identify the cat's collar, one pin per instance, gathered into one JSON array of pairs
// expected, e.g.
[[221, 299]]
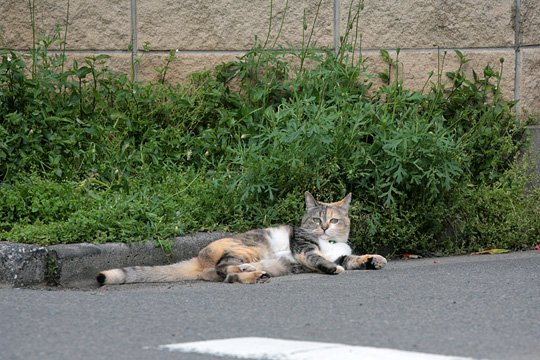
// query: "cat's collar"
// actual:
[[332, 241]]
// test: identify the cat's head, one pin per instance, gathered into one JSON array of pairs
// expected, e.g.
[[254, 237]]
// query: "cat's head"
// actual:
[[327, 221]]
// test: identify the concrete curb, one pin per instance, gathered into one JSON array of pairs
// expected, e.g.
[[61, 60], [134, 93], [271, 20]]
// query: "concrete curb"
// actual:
[[76, 265], [22, 264]]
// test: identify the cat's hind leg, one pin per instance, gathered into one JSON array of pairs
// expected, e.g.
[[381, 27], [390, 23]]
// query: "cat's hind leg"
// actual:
[[258, 272], [233, 269], [362, 262], [245, 274], [250, 277], [229, 260]]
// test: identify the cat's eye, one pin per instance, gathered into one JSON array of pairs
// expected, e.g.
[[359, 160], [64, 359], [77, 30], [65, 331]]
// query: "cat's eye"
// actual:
[[317, 220], [334, 221]]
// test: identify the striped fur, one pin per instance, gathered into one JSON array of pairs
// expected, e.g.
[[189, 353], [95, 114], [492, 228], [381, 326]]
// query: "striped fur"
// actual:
[[319, 244]]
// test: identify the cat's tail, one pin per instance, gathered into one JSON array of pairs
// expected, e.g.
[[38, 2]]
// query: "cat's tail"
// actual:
[[184, 270]]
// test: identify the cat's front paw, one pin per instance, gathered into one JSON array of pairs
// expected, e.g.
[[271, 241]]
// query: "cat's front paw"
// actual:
[[376, 262], [339, 270]]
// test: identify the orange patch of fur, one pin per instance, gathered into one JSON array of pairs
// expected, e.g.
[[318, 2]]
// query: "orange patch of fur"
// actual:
[[360, 260], [210, 255]]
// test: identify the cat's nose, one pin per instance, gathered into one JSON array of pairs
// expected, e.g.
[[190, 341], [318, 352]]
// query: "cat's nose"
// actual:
[[324, 227]]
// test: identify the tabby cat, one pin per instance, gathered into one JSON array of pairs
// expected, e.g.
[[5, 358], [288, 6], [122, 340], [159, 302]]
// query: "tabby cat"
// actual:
[[318, 245]]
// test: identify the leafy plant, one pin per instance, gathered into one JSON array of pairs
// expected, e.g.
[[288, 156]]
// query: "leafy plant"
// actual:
[[87, 154]]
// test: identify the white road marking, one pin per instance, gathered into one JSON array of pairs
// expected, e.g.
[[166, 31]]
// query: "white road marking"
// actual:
[[277, 349]]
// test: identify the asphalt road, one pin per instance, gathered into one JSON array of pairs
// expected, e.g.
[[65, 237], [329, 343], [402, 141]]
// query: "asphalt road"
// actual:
[[475, 306]]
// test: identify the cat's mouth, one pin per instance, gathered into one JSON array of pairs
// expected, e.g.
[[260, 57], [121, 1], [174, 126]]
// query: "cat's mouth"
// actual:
[[324, 236], [330, 237]]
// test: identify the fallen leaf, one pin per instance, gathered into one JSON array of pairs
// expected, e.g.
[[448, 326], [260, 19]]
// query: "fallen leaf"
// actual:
[[491, 252], [537, 247]]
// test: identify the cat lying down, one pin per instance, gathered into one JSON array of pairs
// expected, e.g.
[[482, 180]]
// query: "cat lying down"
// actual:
[[319, 244]]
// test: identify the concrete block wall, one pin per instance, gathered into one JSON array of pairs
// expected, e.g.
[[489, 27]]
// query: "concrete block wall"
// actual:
[[207, 32]]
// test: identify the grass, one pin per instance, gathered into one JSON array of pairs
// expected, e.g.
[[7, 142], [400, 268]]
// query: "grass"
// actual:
[[87, 155]]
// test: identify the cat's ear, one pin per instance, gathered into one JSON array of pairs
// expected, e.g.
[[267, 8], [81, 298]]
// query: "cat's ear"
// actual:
[[345, 202], [310, 200]]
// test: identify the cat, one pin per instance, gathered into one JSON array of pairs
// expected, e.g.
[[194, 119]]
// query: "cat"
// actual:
[[319, 244]]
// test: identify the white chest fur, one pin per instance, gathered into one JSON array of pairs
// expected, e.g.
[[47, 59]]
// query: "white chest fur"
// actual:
[[278, 238], [279, 242], [332, 250]]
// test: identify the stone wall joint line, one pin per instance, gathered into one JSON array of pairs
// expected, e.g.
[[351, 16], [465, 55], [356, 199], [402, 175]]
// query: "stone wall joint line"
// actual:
[[134, 43], [337, 26], [517, 55]]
